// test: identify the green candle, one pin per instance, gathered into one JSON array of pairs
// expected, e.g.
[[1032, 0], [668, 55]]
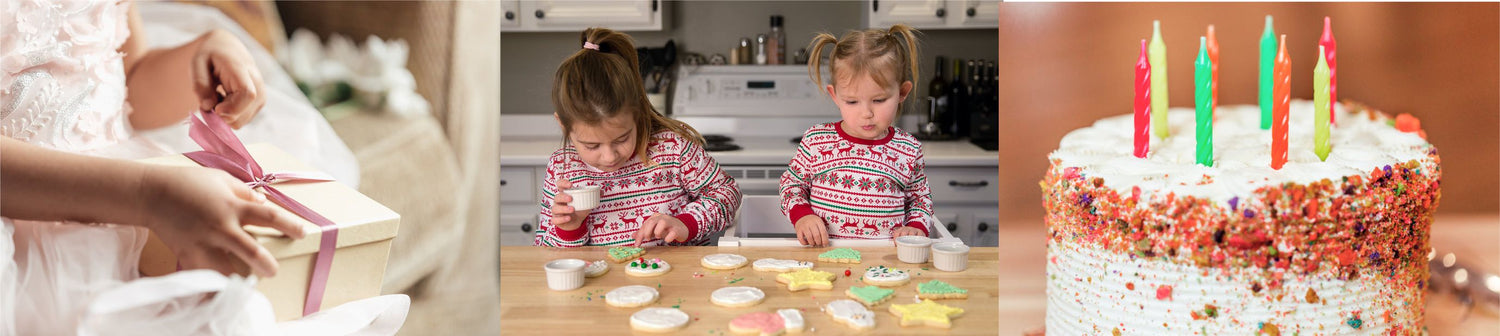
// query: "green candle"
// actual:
[[1203, 94], [1321, 114], [1267, 65], [1157, 52]]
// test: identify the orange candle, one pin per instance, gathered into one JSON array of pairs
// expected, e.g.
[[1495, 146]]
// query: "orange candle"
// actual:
[[1213, 59], [1282, 99]]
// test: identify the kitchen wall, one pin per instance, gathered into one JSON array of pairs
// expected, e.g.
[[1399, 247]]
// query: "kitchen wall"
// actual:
[[528, 60]]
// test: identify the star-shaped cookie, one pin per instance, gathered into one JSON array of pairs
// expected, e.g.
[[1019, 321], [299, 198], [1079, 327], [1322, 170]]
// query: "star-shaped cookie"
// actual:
[[805, 278], [927, 313]]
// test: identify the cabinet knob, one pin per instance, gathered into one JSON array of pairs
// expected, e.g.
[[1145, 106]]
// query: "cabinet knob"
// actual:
[[969, 12], [941, 12], [540, 14], [984, 227], [502, 183], [876, 5], [952, 227], [510, 15], [981, 183], [526, 227]]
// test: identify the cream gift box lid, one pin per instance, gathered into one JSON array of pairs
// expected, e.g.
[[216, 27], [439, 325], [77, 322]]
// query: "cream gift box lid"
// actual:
[[360, 219]]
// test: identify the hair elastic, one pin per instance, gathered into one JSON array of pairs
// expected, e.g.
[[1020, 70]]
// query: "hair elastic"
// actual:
[[590, 45]]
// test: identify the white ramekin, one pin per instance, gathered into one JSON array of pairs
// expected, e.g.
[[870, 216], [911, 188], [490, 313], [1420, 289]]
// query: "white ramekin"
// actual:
[[913, 249], [950, 256], [565, 274], [584, 197]]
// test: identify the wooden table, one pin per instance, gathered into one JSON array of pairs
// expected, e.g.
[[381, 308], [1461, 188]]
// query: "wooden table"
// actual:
[[528, 307], [1023, 289]]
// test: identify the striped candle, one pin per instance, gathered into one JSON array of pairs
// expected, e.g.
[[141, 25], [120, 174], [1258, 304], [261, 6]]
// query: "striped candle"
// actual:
[[1322, 112], [1142, 104], [1158, 55], [1283, 99], [1267, 66], [1204, 103]]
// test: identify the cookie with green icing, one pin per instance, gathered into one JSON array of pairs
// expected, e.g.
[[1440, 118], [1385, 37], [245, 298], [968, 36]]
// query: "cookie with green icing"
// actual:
[[625, 253], [840, 255], [936, 289], [869, 295]]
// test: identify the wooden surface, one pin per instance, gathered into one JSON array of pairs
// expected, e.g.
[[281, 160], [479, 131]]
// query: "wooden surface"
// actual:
[[1064, 65], [1022, 288], [528, 307]]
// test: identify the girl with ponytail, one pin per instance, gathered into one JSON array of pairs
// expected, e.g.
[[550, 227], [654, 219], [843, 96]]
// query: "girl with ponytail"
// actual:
[[657, 185], [860, 177]]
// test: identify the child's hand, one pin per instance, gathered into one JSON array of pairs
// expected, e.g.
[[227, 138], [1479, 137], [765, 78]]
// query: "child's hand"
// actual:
[[198, 213], [812, 231], [226, 79], [906, 231], [564, 217], [668, 228]]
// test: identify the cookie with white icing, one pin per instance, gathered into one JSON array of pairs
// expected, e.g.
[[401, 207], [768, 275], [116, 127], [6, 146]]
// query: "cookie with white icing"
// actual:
[[647, 267], [886, 277], [850, 313], [631, 296], [780, 265], [724, 261], [595, 269], [737, 296], [767, 324], [659, 320], [792, 319]]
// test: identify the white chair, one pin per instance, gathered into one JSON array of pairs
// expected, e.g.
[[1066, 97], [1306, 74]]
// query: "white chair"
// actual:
[[759, 222]]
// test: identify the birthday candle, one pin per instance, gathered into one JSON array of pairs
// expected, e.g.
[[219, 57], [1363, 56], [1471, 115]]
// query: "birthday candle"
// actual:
[[1283, 93], [1213, 58], [1267, 55], [1330, 49], [1142, 104], [1158, 54], [1321, 108], [1204, 99]]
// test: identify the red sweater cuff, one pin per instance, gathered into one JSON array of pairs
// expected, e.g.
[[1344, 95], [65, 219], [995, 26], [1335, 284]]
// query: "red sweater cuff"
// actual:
[[692, 226], [571, 235], [920, 226], [799, 211]]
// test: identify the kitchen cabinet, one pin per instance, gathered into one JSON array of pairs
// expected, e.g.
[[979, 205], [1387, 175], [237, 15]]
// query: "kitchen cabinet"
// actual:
[[966, 200], [933, 14], [520, 186], [577, 15]]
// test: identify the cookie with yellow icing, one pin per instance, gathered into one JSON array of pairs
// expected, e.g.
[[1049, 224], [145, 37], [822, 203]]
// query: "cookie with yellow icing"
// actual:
[[804, 279]]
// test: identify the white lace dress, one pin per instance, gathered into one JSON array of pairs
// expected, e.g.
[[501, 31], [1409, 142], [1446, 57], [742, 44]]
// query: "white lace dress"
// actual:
[[62, 86]]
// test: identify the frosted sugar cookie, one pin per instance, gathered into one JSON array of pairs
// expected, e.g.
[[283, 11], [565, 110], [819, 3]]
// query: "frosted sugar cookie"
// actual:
[[737, 296], [804, 279], [767, 324], [926, 313], [647, 267], [780, 265], [631, 296], [659, 320], [883, 276], [936, 289], [850, 313], [840, 255], [724, 261], [869, 295], [625, 253], [595, 269]]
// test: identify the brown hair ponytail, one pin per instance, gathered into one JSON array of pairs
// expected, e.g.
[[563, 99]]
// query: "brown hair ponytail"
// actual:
[[603, 79], [885, 55]]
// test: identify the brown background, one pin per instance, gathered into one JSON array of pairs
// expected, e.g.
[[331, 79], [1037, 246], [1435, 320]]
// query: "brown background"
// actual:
[[1063, 66]]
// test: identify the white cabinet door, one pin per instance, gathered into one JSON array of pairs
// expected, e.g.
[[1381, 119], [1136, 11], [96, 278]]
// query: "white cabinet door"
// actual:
[[512, 14], [520, 185], [576, 15], [915, 13], [518, 226], [979, 13]]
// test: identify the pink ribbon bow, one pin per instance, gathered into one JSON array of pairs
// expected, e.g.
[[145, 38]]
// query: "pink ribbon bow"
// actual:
[[223, 150]]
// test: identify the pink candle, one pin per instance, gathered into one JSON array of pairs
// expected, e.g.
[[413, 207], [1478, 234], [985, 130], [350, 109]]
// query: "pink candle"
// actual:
[[1213, 58], [1331, 48], [1142, 104]]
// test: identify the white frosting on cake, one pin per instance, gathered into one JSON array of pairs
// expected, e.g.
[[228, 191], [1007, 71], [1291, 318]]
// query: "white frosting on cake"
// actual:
[[792, 317], [1242, 152], [1089, 292], [851, 312], [631, 295], [724, 260], [659, 318], [782, 265], [737, 295]]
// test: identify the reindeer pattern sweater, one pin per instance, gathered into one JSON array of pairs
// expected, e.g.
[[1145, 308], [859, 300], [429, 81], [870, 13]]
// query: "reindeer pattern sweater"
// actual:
[[685, 183], [862, 189]]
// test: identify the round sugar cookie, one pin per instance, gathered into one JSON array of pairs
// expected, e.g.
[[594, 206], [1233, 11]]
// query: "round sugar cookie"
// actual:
[[659, 320], [780, 265], [631, 296], [595, 269], [884, 276], [738, 296], [724, 261], [647, 267]]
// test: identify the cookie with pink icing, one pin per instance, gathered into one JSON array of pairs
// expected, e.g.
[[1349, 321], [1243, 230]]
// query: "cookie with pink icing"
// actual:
[[767, 324]]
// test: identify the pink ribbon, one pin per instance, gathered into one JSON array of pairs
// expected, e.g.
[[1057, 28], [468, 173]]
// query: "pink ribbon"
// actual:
[[223, 150]]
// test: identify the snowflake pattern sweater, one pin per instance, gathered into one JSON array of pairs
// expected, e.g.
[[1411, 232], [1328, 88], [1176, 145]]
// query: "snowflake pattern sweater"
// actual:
[[862, 189], [685, 183]]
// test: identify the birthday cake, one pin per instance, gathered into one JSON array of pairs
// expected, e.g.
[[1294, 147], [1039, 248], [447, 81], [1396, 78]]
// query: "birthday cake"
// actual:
[[1163, 245]]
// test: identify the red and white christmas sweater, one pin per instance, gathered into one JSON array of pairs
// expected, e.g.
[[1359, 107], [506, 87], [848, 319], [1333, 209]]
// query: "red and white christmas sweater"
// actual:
[[862, 189], [685, 183]]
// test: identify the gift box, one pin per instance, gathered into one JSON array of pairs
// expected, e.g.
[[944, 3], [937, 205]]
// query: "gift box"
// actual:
[[361, 231]]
